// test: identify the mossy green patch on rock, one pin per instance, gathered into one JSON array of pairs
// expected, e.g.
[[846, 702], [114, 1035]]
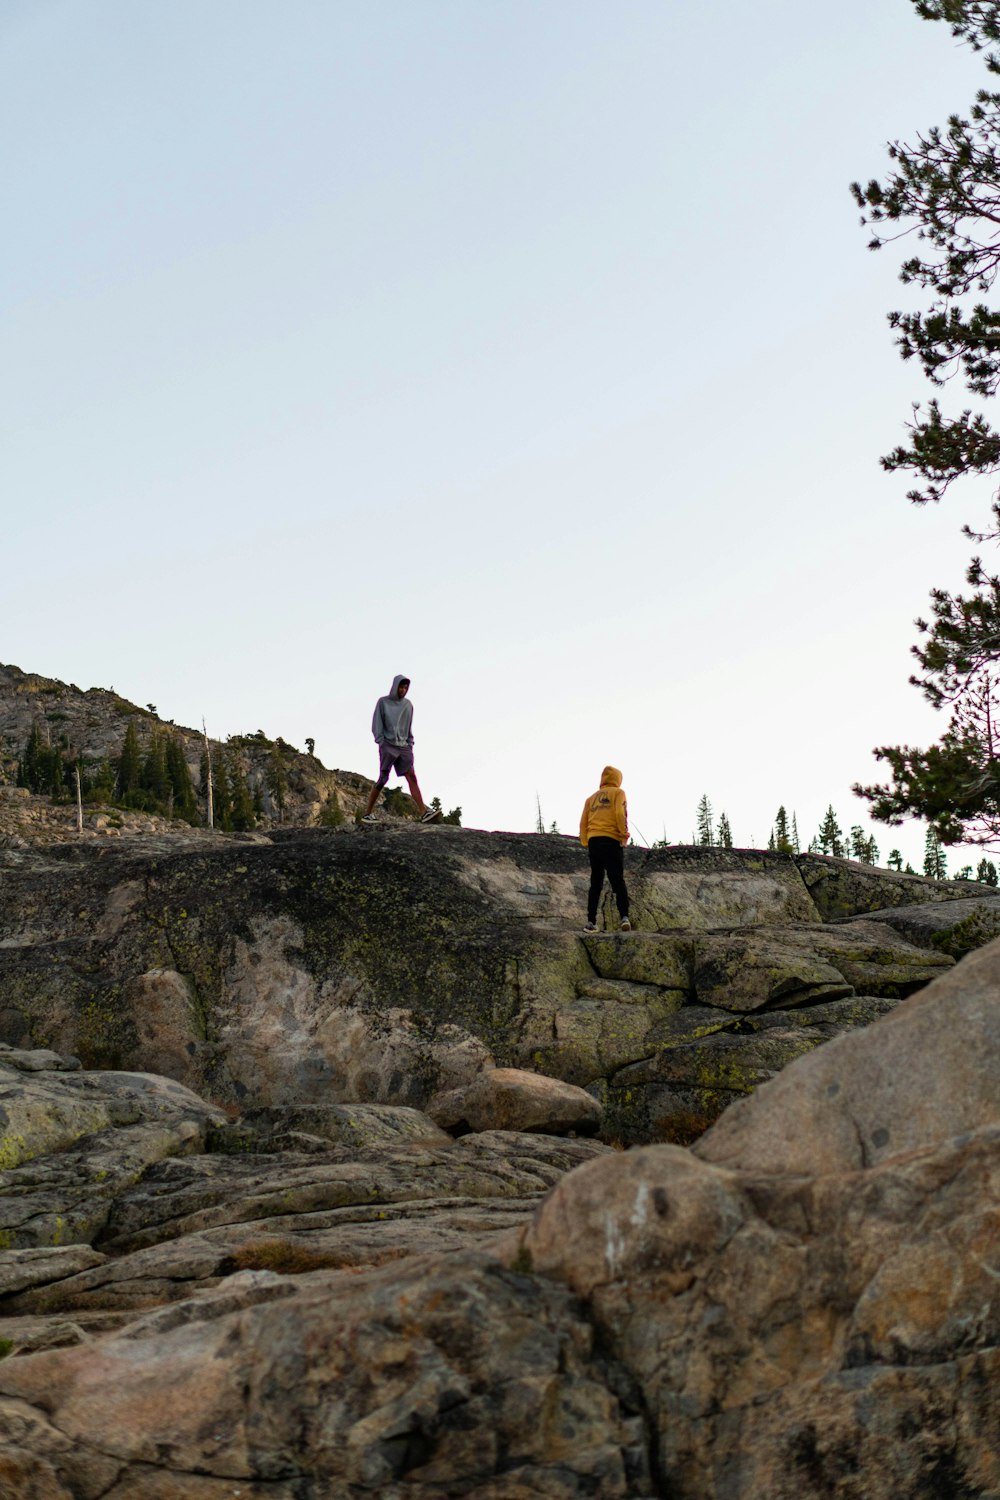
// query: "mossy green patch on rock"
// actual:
[[972, 932], [663, 960], [843, 888]]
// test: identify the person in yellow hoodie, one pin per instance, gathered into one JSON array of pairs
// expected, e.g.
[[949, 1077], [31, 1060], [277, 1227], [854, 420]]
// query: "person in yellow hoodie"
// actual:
[[604, 834]]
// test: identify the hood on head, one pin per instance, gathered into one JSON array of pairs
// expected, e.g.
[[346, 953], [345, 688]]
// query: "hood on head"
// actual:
[[399, 677], [611, 776]]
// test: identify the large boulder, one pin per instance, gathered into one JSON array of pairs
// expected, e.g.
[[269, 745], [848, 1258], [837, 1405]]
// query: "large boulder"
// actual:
[[927, 1072], [808, 1300], [512, 1099]]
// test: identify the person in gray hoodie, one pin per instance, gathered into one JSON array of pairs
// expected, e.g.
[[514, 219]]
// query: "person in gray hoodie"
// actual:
[[392, 726]]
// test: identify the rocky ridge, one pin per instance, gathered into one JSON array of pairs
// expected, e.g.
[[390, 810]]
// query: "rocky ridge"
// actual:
[[393, 964], [92, 723]]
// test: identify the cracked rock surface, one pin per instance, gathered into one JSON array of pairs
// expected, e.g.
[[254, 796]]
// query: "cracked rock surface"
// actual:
[[393, 964], [806, 1305]]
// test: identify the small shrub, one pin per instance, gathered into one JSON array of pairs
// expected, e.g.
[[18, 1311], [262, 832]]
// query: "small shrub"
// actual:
[[285, 1257]]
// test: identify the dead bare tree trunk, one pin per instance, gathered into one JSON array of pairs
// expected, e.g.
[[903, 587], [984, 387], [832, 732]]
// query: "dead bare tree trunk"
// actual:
[[208, 778], [79, 798]]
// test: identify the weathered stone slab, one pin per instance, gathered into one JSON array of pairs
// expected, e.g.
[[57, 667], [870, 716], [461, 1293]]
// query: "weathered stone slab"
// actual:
[[20, 1269], [389, 964], [266, 1129], [790, 966], [45, 1110], [854, 1010], [926, 1072], [192, 1195], [707, 889], [954, 927], [663, 960], [433, 1377], [679, 1091], [745, 971], [843, 888]]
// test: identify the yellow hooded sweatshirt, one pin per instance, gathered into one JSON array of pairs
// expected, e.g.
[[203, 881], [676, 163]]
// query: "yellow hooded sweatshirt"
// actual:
[[605, 814]]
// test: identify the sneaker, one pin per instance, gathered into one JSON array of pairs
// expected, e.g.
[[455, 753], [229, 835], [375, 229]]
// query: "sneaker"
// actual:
[[369, 818], [626, 925], [590, 927], [429, 816]]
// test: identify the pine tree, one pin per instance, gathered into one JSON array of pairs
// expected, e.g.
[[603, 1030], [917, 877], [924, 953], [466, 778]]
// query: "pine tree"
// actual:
[[796, 845], [942, 192], [895, 860], [705, 835], [276, 779], [129, 765], [31, 766], [935, 861], [724, 833], [99, 783], [986, 872], [859, 842], [221, 795], [185, 804], [56, 776], [154, 778], [871, 853], [239, 791], [830, 838], [782, 840]]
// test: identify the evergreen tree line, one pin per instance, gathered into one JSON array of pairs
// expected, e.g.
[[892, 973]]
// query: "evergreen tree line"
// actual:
[[158, 779], [831, 839]]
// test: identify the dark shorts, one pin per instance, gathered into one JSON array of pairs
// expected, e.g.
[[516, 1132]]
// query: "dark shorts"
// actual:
[[398, 758]]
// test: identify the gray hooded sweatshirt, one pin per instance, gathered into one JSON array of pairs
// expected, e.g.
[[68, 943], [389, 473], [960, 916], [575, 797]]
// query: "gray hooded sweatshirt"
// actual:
[[393, 717]]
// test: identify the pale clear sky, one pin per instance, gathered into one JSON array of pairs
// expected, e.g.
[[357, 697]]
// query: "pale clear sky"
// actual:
[[529, 347]]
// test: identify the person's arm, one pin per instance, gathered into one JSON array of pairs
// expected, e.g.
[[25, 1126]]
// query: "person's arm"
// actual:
[[584, 820], [378, 723], [409, 729], [621, 815]]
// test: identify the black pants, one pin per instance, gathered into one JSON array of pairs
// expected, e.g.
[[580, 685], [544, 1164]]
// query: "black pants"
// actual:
[[607, 857]]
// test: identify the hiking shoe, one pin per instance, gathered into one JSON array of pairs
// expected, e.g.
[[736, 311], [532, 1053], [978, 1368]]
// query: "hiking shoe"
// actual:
[[429, 816], [369, 818], [590, 927], [626, 925]]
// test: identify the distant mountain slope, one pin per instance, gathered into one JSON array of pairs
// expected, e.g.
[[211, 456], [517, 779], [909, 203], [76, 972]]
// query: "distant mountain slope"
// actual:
[[89, 727]]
